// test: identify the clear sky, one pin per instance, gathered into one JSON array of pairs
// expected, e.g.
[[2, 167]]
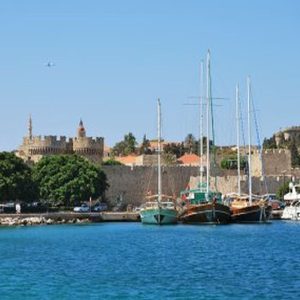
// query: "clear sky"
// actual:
[[113, 59]]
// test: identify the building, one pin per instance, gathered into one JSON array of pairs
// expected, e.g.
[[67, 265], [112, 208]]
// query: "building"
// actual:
[[290, 133], [190, 159], [34, 148]]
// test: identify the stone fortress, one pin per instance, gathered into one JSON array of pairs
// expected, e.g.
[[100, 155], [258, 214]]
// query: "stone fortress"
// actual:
[[273, 164], [34, 148], [287, 134]]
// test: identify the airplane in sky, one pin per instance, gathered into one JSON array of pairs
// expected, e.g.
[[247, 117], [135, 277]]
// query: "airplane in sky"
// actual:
[[50, 64]]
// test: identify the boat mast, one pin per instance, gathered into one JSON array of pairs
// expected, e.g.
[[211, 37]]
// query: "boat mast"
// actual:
[[249, 142], [201, 120], [238, 138], [208, 100], [158, 151]]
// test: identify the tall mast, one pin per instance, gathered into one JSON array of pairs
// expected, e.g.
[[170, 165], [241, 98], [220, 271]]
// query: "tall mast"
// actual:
[[201, 119], [30, 128], [237, 96], [249, 142], [208, 99], [158, 150]]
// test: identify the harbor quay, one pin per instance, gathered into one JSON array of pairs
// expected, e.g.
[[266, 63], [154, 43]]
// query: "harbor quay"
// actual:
[[66, 218]]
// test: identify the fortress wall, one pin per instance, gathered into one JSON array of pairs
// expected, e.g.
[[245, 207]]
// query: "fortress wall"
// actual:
[[133, 183], [37, 147], [46, 141], [277, 161], [88, 143]]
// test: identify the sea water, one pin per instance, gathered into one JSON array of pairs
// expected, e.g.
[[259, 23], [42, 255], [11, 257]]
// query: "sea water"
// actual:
[[136, 261]]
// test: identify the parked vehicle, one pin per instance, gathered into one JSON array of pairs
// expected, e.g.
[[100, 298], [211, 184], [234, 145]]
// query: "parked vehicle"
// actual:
[[33, 207], [82, 208], [8, 208], [100, 207]]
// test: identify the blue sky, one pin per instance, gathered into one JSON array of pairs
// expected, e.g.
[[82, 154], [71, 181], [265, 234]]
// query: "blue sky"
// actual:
[[113, 59]]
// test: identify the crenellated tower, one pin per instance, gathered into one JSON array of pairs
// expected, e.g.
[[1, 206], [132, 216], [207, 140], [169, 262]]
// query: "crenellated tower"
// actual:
[[34, 148], [87, 146]]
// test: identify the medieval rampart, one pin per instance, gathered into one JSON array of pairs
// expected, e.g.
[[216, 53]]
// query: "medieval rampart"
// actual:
[[275, 162], [35, 147], [132, 184], [88, 145]]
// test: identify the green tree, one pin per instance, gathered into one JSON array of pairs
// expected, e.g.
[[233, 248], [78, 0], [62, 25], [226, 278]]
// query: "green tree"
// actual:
[[282, 190], [111, 162], [66, 180], [174, 149], [15, 179], [269, 143], [130, 142], [145, 146], [230, 162], [169, 159], [189, 142], [191, 145], [294, 154], [125, 147]]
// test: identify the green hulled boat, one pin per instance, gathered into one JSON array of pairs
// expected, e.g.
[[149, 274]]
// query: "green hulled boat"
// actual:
[[158, 211]]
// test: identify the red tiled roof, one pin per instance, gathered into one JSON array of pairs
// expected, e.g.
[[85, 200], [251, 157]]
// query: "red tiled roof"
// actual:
[[189, 159], [130, 159]]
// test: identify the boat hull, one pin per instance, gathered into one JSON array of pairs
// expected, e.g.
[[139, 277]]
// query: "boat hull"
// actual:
[[159, 216], [251, 214], [206, 213], [291, 213]]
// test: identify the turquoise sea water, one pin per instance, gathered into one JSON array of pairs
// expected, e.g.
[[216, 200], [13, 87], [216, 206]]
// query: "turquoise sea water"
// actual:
[[135, 261]]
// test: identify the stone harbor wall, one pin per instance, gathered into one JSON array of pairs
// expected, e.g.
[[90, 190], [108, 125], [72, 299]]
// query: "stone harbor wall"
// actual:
[[229, 184], [130, 185]]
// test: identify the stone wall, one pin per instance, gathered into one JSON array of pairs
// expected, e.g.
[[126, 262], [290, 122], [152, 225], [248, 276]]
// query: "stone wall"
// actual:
[[37, 147], [287, 134], [89, 148], [275, 162], [129, 185]]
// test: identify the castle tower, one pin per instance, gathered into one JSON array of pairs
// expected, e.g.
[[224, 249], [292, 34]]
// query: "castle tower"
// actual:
[[30, 128], [88, 147], [81, 130], [34, 148]]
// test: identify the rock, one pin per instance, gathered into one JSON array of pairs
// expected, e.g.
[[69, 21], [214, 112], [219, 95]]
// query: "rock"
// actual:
[[49, 222]]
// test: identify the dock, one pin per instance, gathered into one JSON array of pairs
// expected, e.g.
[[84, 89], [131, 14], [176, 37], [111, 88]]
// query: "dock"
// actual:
[[68, 217]]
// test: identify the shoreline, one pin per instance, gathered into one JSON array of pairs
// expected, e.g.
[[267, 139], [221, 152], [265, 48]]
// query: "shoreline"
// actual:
[[29, 219]]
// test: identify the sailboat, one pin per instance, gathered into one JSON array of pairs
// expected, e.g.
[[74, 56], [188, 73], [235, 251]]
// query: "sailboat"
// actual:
[[246, 208], [204, 206], [159, 211]]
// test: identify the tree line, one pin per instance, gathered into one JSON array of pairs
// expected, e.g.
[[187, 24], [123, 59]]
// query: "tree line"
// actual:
[[129, 146], [60, 180]]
